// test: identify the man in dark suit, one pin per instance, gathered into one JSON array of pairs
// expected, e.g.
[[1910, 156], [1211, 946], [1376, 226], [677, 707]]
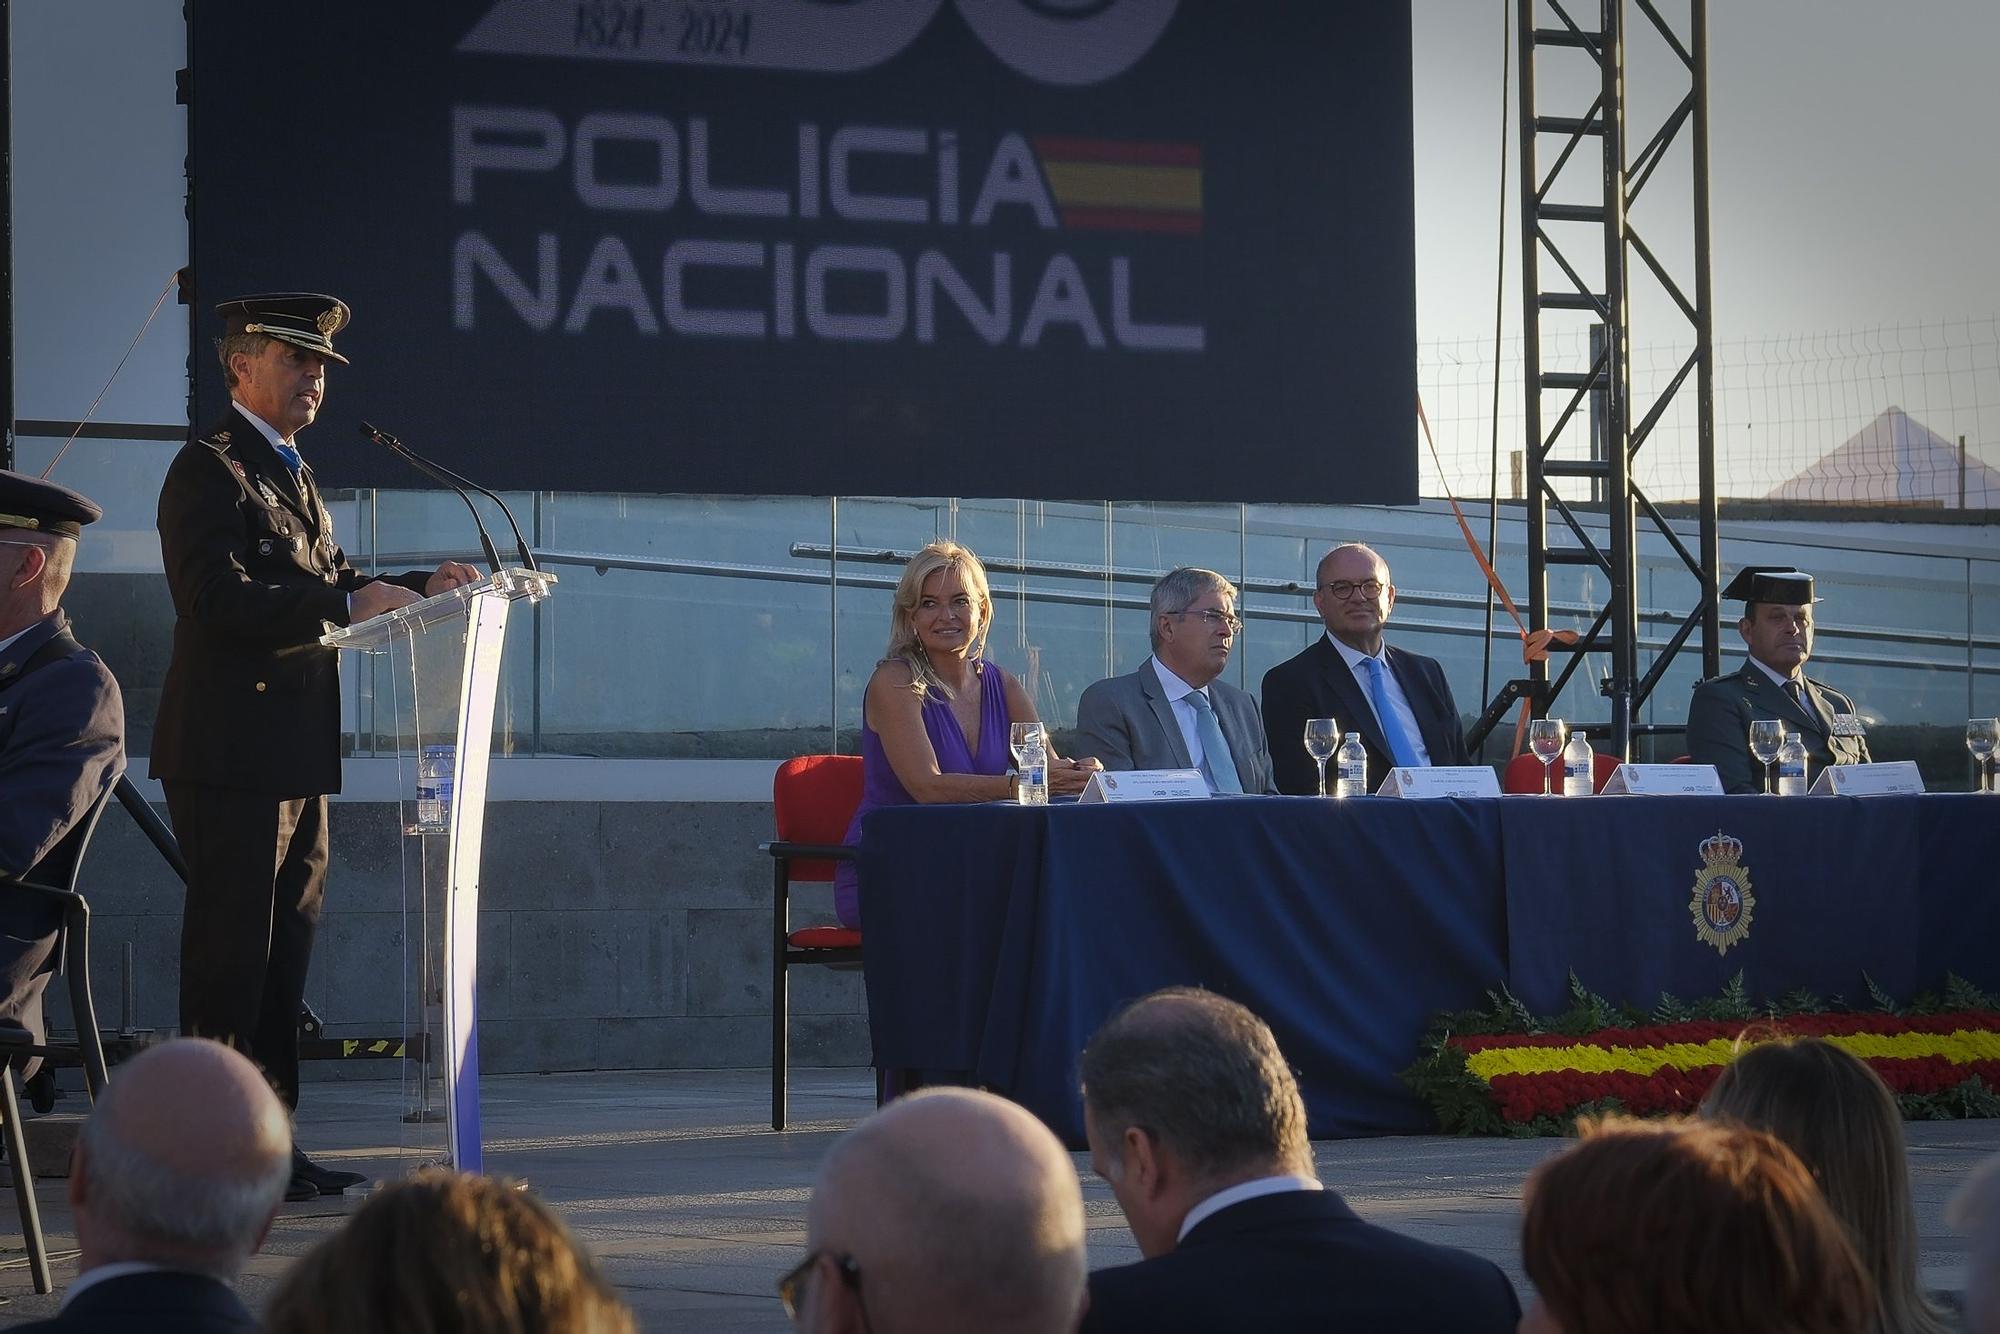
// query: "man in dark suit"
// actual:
[[1196, 1122], [62, 725], [1399, 702], [1176, 712], [176, 1177], [247, 744], [1777, 628]]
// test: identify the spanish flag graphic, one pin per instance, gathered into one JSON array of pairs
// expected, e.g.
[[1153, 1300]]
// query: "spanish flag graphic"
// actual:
[[1124, 185]]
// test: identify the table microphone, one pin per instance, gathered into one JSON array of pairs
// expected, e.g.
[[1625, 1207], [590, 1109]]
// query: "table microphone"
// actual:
[[443, 475]]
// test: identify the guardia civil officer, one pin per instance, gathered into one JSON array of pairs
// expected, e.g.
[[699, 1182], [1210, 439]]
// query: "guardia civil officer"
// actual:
[[247, 745], [62, 725], [1777, 628]]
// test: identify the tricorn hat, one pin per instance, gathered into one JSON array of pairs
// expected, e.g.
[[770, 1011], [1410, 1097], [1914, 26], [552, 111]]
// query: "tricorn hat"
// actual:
[[1781, 584], [303, 319], [43, 507]]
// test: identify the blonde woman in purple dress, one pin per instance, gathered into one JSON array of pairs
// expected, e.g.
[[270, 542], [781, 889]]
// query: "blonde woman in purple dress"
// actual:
[[936, 716]]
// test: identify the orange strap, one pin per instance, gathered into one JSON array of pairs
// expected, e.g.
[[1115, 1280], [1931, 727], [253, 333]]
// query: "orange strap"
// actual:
[[1535, 644]]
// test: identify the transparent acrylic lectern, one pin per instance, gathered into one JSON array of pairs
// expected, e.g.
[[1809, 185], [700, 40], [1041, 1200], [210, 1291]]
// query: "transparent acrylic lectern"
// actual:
[[444, 661]]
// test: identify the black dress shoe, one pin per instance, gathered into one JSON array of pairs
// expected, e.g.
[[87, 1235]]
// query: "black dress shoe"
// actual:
[[325, 1180], [300, 1190]]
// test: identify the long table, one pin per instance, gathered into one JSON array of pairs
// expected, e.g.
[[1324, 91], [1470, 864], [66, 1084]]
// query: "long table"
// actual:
[[997, 937]]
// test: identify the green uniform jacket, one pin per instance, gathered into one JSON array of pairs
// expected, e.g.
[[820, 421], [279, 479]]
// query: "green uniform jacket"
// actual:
[[1719, 726]]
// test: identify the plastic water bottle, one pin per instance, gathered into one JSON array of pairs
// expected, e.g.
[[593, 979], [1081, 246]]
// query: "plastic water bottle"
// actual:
[[1032, 786], [1792, 767], [1578, 763], [1351, 764], [435, 766]]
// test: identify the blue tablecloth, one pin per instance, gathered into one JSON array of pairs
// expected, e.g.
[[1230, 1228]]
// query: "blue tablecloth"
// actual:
[[998, 938]]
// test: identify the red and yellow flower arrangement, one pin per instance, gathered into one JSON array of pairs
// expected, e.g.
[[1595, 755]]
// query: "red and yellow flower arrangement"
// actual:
[[1501, 1071]]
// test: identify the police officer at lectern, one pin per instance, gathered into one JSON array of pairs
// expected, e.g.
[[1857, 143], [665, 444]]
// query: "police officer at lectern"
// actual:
[[247, 744], [1777, 629]]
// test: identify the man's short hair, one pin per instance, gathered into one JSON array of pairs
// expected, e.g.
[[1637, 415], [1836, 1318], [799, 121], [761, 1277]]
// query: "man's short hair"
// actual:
[[1205, 1076], [249, 344], [1176, 592], [211, 1213]]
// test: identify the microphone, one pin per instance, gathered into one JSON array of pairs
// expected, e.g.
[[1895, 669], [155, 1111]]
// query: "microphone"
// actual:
[[439, 473]]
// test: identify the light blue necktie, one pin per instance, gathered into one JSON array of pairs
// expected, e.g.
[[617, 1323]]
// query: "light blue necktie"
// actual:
[[1214, 750], [291, 456], [1401, 745]]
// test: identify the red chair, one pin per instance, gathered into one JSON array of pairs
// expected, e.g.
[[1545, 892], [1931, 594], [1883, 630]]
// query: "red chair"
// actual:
[[814, 798], [1523, 773]]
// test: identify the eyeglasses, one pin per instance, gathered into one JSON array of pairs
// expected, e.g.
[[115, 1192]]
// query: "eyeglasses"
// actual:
[[791, 1288], [1343, 589], [1212, 618]]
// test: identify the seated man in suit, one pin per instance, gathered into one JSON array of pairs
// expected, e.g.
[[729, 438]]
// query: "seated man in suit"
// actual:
[[62, 724], [949, 1209], [177, 1175], [1175, 712], [1399, 702], [1777, 628], [1196, 1122]]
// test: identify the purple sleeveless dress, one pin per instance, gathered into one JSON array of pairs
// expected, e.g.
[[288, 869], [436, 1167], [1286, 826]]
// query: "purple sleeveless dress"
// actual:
[[879, 786]]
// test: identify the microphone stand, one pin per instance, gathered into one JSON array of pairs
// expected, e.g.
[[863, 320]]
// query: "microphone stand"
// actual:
[[446, 477]]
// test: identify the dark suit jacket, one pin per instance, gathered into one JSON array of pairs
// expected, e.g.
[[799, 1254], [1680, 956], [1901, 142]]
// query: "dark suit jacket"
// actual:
[[1316, 683], [163, 1302], [1301, 1261], [62, 743], [1722, 710], [251, 698], [1128, 722]]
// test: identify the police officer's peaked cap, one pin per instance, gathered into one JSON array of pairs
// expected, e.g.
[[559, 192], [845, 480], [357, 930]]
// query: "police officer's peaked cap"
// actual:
[[43, 507], [303, 319], [1771, 583]]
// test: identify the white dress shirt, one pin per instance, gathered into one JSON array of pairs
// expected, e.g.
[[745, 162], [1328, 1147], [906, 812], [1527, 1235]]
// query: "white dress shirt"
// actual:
[[1780, 681], [268, 431], [1357, 662], [1244, 1190], [1190, 721]]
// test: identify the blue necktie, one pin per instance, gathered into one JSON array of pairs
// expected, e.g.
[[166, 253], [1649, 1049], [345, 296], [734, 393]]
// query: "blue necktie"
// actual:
[[1400, 743], [1214, 750], [291, 456]]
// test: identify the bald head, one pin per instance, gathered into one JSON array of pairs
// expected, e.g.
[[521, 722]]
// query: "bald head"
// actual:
[[182, 1161], [961, 1211]]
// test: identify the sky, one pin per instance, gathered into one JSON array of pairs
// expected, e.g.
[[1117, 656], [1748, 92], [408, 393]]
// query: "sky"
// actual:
[[1855, 159]]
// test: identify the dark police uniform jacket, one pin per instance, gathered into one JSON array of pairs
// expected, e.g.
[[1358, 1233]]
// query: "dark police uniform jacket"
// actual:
[[62, 744], [252, 698], [62, 740], [1719, 721]]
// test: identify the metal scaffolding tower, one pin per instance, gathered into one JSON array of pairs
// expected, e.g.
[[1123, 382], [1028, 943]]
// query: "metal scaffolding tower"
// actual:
[[1558, 224]]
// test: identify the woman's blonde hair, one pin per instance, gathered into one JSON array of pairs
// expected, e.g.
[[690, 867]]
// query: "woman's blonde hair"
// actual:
[[448, 1253], [904, 646], [1841, 1120]]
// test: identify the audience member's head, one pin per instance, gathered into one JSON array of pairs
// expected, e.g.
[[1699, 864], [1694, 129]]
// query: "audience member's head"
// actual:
[[1184, 1094], [1975, 1211], [946, 1210], [1688, 1228], [1841, 1120], [182, 1163], [448, 1253]]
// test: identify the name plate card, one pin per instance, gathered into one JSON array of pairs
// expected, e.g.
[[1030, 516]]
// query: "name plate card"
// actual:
[[1664, 780], [1895, 777], [1447, 780], [1143, 785]]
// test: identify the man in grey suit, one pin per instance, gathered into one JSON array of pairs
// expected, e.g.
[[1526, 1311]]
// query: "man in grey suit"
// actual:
[[1175, 712]]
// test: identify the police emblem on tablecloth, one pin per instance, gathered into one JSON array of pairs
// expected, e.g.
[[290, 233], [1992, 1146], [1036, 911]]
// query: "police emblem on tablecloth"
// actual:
[[1722, 905]]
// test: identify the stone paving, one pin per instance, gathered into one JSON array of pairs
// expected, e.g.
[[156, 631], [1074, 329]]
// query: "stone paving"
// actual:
[[676, 1182]]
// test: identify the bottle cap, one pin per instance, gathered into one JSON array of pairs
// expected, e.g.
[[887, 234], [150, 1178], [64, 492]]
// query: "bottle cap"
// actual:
[[1353, 736]]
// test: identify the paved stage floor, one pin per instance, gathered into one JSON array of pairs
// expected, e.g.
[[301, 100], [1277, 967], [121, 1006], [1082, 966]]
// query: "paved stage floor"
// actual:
[[676, 1182]]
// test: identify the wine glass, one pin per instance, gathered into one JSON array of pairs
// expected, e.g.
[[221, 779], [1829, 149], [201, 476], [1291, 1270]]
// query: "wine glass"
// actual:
[[1545, 738], [1766, 736], [1322, 739], [1023, 736], [1982, 736]]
